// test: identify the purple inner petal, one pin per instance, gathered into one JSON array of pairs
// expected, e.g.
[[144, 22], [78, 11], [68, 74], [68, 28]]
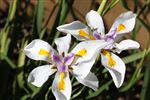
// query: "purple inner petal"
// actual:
[[62, 68], [97, 35], [68, 59], [57, 59], [109, 39], [111, 36]]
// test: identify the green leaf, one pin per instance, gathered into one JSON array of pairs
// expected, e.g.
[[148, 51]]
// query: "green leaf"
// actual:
[[144, 24], [42, 33], [124, 4], [136, 75], [145, 89], [78, 93], [100, 90], [60, 18], [21, 58], [110, 6], [101, 7], [9, 61], [12, 10], [40, 9], [134, 57], [135, 5], [20, 80], [46, 95], [3, 41], [25, 97]]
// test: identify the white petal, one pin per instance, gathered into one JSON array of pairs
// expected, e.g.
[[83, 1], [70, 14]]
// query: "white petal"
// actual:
[[62, 94], [90, 81], [94, 20], [127, 19], [126, 44], [32, 50], [83, 64], [92, 47], [82, 69], [63, 44], [39, 75], [73, 29], [117, 72]]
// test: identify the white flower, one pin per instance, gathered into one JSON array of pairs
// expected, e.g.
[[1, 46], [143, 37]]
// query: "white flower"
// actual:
[[95, 31], [78, 62]]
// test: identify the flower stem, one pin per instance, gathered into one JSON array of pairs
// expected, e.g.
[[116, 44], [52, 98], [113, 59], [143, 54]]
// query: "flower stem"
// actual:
[[101, 7]]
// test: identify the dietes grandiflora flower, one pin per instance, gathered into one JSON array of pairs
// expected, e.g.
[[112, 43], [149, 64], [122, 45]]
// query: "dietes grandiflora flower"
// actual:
[[78, 62], [95, 31]]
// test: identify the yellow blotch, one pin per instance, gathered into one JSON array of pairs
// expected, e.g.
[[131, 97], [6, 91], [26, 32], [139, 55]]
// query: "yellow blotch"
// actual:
[[44, 52], [111, 61], [61, 84], [120, 27], [82, 52], [92, 37], [83, 33]]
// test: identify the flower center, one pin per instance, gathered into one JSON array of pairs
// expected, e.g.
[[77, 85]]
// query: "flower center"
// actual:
[[120, 27], [111, 61], [61, 84], [85, 34], [82, 52]]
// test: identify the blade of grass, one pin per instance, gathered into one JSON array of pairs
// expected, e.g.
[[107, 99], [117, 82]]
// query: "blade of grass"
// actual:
[[3, 41], [60, 18], [20, 80], [143, 24], [42, 33], [50, 15], [110, 6], [11, 14], [9, 61], [100, 90], [101, 7], [134, 57], [13, 10], [39, 16], [135, 77], [21, 58], [78, 93], [124, 4], [46, 95], [145, 92], [136, 74], [135, 5], [146, 4], [25, 97], [34, 23]]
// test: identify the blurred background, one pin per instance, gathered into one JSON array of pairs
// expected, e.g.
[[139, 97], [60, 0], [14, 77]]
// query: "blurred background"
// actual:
[[21, 21]]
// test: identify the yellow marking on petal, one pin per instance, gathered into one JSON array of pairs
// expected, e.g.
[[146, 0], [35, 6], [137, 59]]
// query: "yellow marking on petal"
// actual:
[[111, 61], [82, 52], [85, 34], [61, 84], [92, 37], [44, 52], [120, 27]]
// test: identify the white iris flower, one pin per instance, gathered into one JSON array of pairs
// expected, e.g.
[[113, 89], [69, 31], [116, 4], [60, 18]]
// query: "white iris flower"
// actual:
[[78, 62], [95, 31]]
